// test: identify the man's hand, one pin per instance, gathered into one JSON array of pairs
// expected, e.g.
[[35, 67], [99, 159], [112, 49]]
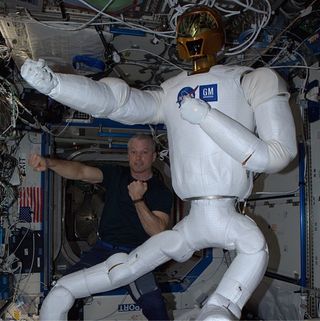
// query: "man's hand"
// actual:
[[137, 189], [38, 163], [39, 75], [194, 110]]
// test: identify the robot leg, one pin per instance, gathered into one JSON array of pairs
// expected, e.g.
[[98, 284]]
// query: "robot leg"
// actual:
[[157, 250], [243, 275], [118, 270], [77, 285]]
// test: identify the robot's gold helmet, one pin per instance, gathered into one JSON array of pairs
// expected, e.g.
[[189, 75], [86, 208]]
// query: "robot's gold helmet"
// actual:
[[199, 33]]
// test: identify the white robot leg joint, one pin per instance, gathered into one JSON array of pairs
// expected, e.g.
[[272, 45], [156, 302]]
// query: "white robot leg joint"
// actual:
[[249, 239], [175, 246], [60, 297], [124, 269], [116, 260], [95, 279], [119, 269]]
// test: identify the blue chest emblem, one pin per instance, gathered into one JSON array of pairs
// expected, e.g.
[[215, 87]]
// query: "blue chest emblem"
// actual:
[[208, 92], [186, 91]]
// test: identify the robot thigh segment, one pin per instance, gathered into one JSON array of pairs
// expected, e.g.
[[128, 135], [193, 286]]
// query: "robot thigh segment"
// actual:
[[155, 251], [176, 246]]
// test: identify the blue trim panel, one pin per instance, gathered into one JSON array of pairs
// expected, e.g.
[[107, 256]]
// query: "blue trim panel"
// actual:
[[104, 122], [191, 277], [303, 252], [126, 31]]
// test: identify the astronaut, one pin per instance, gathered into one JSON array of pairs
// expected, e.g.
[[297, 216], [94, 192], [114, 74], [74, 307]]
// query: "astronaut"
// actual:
[[223, 123]]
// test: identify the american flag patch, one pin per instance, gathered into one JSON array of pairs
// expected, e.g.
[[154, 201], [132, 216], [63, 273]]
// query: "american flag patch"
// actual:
[[30, 204]]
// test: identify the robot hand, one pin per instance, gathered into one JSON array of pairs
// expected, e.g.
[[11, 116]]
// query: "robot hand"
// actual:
[[194, 110], [39, 75]]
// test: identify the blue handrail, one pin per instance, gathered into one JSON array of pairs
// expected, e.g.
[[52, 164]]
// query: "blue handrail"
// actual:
[[303, 255]]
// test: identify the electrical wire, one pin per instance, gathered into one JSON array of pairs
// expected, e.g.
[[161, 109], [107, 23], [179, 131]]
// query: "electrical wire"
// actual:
[[31, 265], [295, 66], [11, 105], [302, 14], [130, 25], [151, 53], [114, 20], [262, 18], [303, 87], [9, 108], [252, 40], [255, 31], [83, 26], [229, 13], [307, 38], [50, 132], [10, 260], [16, 110], [249, 7]]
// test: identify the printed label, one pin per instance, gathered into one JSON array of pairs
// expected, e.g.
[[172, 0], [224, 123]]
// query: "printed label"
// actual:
[[128, 307]]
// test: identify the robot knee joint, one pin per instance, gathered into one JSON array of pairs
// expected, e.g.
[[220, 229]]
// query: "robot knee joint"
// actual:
[[115, 260], [60, 292], [119, 269], [252, 242], [260, 243], [58, 296], [175, 246]]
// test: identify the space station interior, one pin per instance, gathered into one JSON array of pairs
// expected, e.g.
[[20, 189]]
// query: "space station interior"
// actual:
[[47, 221]]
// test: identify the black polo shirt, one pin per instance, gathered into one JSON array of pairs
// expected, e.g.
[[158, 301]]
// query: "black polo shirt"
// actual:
[[120, 224]]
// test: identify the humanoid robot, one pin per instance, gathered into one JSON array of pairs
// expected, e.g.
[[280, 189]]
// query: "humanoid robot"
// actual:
[[223, 123]]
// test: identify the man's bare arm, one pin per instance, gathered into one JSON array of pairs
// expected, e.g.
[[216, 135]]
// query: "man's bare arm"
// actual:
[[67, 169]]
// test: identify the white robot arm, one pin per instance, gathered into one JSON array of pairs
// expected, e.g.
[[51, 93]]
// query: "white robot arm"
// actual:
[[109, 97], [276, 145]]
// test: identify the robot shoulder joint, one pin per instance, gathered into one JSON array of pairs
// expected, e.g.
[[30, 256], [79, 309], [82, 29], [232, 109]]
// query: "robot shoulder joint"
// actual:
[[262, 84]]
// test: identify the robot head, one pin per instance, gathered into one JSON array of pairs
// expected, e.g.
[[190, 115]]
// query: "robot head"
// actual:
[[200, 36]]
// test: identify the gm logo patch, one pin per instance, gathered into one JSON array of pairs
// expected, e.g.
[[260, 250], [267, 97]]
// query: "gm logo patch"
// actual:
[[208, 92]]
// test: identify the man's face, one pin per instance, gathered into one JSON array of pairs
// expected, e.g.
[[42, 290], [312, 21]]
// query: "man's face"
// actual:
[[141, 155]]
